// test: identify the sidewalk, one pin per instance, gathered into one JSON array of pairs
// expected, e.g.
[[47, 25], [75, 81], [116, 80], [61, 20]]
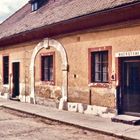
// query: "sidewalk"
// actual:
[[98, 124]]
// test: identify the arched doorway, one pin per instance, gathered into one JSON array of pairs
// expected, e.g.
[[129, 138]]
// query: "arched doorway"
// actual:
[[46, 43]]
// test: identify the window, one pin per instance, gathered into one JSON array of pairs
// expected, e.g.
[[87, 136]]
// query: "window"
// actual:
[[47, 68], [34, 6], [99, 67], [5, 69]]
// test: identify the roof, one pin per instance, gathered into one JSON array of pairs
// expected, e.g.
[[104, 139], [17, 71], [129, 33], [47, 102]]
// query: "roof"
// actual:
[[54, 12]]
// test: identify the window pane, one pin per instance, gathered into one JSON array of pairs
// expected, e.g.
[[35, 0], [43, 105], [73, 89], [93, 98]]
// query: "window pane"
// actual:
[[45, 62], [97, 77], [99, 66], [45, 74], [51, 61], [105, 77], [105, 67], [51, 74], [34, 6], [47, 68], [50, 70], [97, 57], [105, 56]]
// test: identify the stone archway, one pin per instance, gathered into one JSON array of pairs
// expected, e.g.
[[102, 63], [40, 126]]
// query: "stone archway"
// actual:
[[46, 43]]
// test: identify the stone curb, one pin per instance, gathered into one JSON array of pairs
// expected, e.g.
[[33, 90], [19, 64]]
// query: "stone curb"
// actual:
[[73, 124]]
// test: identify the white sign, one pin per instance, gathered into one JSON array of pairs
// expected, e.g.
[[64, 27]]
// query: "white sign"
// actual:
[[126, 54]]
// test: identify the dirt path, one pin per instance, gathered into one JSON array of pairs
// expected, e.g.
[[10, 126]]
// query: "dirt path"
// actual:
[[19, 126]]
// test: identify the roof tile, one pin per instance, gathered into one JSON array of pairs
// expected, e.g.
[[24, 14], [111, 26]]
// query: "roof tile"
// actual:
[[53, 12]]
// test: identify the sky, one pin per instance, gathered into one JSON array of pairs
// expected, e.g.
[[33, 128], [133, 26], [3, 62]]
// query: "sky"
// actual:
[[8, 7]]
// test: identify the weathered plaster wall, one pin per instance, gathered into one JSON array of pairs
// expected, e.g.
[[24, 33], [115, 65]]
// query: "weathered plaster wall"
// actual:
[[43, 90], [22, 53], [76, 46], [19, 53], [126, 39]]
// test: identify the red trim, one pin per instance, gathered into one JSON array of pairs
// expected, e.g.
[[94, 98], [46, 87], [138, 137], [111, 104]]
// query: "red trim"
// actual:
[[118, 70], [3, 68], [89, 65], [98, 49], [48, 54]]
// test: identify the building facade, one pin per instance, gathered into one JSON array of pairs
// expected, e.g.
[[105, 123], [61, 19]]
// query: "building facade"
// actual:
[[84, 60]]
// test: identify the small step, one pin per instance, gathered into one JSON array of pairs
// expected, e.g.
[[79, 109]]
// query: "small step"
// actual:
[[15, 98], [126, 119]]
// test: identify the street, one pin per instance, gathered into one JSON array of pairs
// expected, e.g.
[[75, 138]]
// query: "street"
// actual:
[[18, 126]]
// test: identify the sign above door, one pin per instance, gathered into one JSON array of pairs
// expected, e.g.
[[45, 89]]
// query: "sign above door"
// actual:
[[127, 54]]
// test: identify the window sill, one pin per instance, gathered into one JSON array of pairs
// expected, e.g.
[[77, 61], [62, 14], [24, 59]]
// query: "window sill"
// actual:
[[47, 82], [100, 85]]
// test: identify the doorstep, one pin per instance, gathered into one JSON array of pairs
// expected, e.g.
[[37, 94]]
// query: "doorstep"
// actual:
[[126, 119], [15, 98]]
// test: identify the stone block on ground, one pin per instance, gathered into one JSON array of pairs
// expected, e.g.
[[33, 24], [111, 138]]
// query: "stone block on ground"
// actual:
[[73, 107], [5, 95], [95, 110]]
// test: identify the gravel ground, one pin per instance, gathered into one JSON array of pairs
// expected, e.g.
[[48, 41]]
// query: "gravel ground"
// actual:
[[19, 126]]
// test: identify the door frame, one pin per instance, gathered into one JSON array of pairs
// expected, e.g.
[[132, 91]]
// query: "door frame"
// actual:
[[120, 62], [18, 76]]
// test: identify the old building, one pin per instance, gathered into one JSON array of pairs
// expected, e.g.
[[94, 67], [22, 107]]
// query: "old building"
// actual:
[[83, 55]]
